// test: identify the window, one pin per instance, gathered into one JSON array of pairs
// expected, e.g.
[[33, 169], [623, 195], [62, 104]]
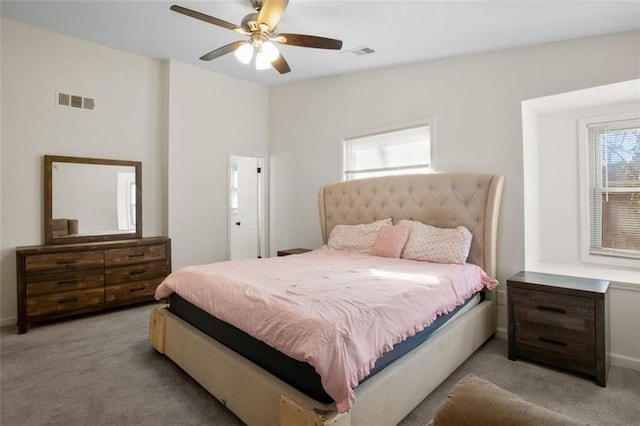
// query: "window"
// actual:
[[611, 176], [402, 151]]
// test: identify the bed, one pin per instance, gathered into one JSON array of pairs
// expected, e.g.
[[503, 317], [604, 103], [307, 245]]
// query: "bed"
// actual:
[[256, 396]]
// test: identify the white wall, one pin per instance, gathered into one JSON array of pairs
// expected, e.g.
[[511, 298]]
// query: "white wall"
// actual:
[[475, 101], [552, 191], [210, 117], [125, 125]]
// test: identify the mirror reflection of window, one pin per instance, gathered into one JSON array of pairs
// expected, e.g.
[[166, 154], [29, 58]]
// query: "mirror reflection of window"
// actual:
[[132, 205], [126, 201]]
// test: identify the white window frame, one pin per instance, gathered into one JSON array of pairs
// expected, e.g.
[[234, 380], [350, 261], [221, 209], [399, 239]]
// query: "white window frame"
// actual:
[[429, 122], [585, 225]]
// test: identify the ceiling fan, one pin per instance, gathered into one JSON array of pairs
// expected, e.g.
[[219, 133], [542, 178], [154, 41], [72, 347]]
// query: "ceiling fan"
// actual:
[[260, 26]]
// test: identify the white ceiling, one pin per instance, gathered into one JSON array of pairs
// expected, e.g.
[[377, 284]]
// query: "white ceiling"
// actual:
[[400, 32]]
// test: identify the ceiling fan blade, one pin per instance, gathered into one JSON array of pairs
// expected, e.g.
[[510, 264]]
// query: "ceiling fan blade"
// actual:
[[221, 51], [281, 65], [308, 41], [206, 18], [271, 12]]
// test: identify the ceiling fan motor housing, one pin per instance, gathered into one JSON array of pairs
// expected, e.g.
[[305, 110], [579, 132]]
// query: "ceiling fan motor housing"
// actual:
[[250, 22]]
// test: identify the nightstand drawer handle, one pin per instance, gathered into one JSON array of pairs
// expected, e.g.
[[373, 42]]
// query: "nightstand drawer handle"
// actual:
[[67, 282], [136, 255], [66, 262], [136, 272], [71, 299], [136, 289], [551, 309], [555, 342]]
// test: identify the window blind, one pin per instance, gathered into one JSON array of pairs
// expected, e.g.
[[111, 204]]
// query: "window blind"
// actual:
[[614, 188]]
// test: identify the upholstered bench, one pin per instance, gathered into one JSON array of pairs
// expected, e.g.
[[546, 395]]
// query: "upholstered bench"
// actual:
[[475, 401]]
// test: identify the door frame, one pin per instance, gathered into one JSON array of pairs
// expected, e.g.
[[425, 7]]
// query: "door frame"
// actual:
[[263, 220]]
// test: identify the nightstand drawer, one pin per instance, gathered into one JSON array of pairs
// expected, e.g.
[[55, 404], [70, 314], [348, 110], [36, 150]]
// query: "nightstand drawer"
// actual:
[[556, 345], [528, 317], [555, 305]]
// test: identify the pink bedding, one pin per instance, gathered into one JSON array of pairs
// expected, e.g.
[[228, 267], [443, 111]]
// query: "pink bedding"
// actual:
[[335, 310]]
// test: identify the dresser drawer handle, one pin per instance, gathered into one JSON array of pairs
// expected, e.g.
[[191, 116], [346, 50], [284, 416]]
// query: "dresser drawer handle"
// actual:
[[136, 255], [71, 299], [136, 272], [67, 282], [136, 289], [551, 309], [66, 262], [554, 342]]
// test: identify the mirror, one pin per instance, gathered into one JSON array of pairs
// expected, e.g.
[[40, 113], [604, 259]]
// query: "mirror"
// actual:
[[91, 199]]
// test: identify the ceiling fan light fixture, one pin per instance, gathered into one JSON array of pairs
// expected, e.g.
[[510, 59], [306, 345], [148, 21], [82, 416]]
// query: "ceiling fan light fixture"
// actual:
[[244, 53], [262, 62], [270, 51], [267, 53]]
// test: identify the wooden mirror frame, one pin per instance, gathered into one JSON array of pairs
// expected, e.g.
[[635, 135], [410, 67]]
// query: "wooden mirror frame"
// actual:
[[48, 200]]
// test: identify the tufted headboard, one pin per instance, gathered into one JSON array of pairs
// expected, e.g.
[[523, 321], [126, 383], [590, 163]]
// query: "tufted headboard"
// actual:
[[445, 200]]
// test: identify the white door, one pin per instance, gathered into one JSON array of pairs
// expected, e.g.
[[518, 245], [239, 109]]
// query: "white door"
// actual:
[[244, 208]]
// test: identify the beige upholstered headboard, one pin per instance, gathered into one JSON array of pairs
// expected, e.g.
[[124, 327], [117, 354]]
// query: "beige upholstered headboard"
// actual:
[[444, 200]]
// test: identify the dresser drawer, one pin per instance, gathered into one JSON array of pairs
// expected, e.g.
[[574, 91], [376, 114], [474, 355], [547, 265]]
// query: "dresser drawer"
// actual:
[[127, 292], [142, 271], [60, 262], [550, 303], [64, 301], [64, 281], [130, 255]]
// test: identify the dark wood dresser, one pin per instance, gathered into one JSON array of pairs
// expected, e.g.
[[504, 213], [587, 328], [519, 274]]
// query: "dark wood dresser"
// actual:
[[60, 280], [561, 321]]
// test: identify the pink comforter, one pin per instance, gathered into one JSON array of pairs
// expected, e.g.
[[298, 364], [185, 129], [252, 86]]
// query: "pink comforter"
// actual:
[[335, 310]]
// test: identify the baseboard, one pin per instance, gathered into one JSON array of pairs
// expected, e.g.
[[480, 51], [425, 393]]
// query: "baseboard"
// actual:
[[625, 361], [8, 321], [501, 333]]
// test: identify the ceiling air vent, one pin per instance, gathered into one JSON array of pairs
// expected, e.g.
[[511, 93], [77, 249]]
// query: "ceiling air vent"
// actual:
[[359, 51], [75, 101]]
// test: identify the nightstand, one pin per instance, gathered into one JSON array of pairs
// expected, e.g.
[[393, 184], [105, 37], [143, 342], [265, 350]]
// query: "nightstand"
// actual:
[[292, 251], [561, 321]]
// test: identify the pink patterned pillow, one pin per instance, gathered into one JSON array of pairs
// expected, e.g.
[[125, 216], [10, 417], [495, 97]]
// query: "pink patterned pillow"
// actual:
[[390, 241], [441, 245], [356, 238]]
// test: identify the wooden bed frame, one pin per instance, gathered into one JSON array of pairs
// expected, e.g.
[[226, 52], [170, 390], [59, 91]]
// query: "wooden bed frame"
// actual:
[[259, 398]]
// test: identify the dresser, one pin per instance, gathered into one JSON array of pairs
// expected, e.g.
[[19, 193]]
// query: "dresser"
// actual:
[[61, 280], [561, 321]]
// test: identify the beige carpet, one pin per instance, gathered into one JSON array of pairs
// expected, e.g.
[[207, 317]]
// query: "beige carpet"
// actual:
[[101, 370]]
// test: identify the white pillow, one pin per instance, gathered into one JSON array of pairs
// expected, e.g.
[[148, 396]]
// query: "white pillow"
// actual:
[[441, 245], [356, 238]]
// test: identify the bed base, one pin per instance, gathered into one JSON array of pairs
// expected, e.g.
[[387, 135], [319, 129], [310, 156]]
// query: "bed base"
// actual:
[[259, 398]]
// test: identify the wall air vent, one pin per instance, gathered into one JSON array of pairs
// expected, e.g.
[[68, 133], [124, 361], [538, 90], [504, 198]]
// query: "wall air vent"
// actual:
[[75, 101], [359, 51]]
